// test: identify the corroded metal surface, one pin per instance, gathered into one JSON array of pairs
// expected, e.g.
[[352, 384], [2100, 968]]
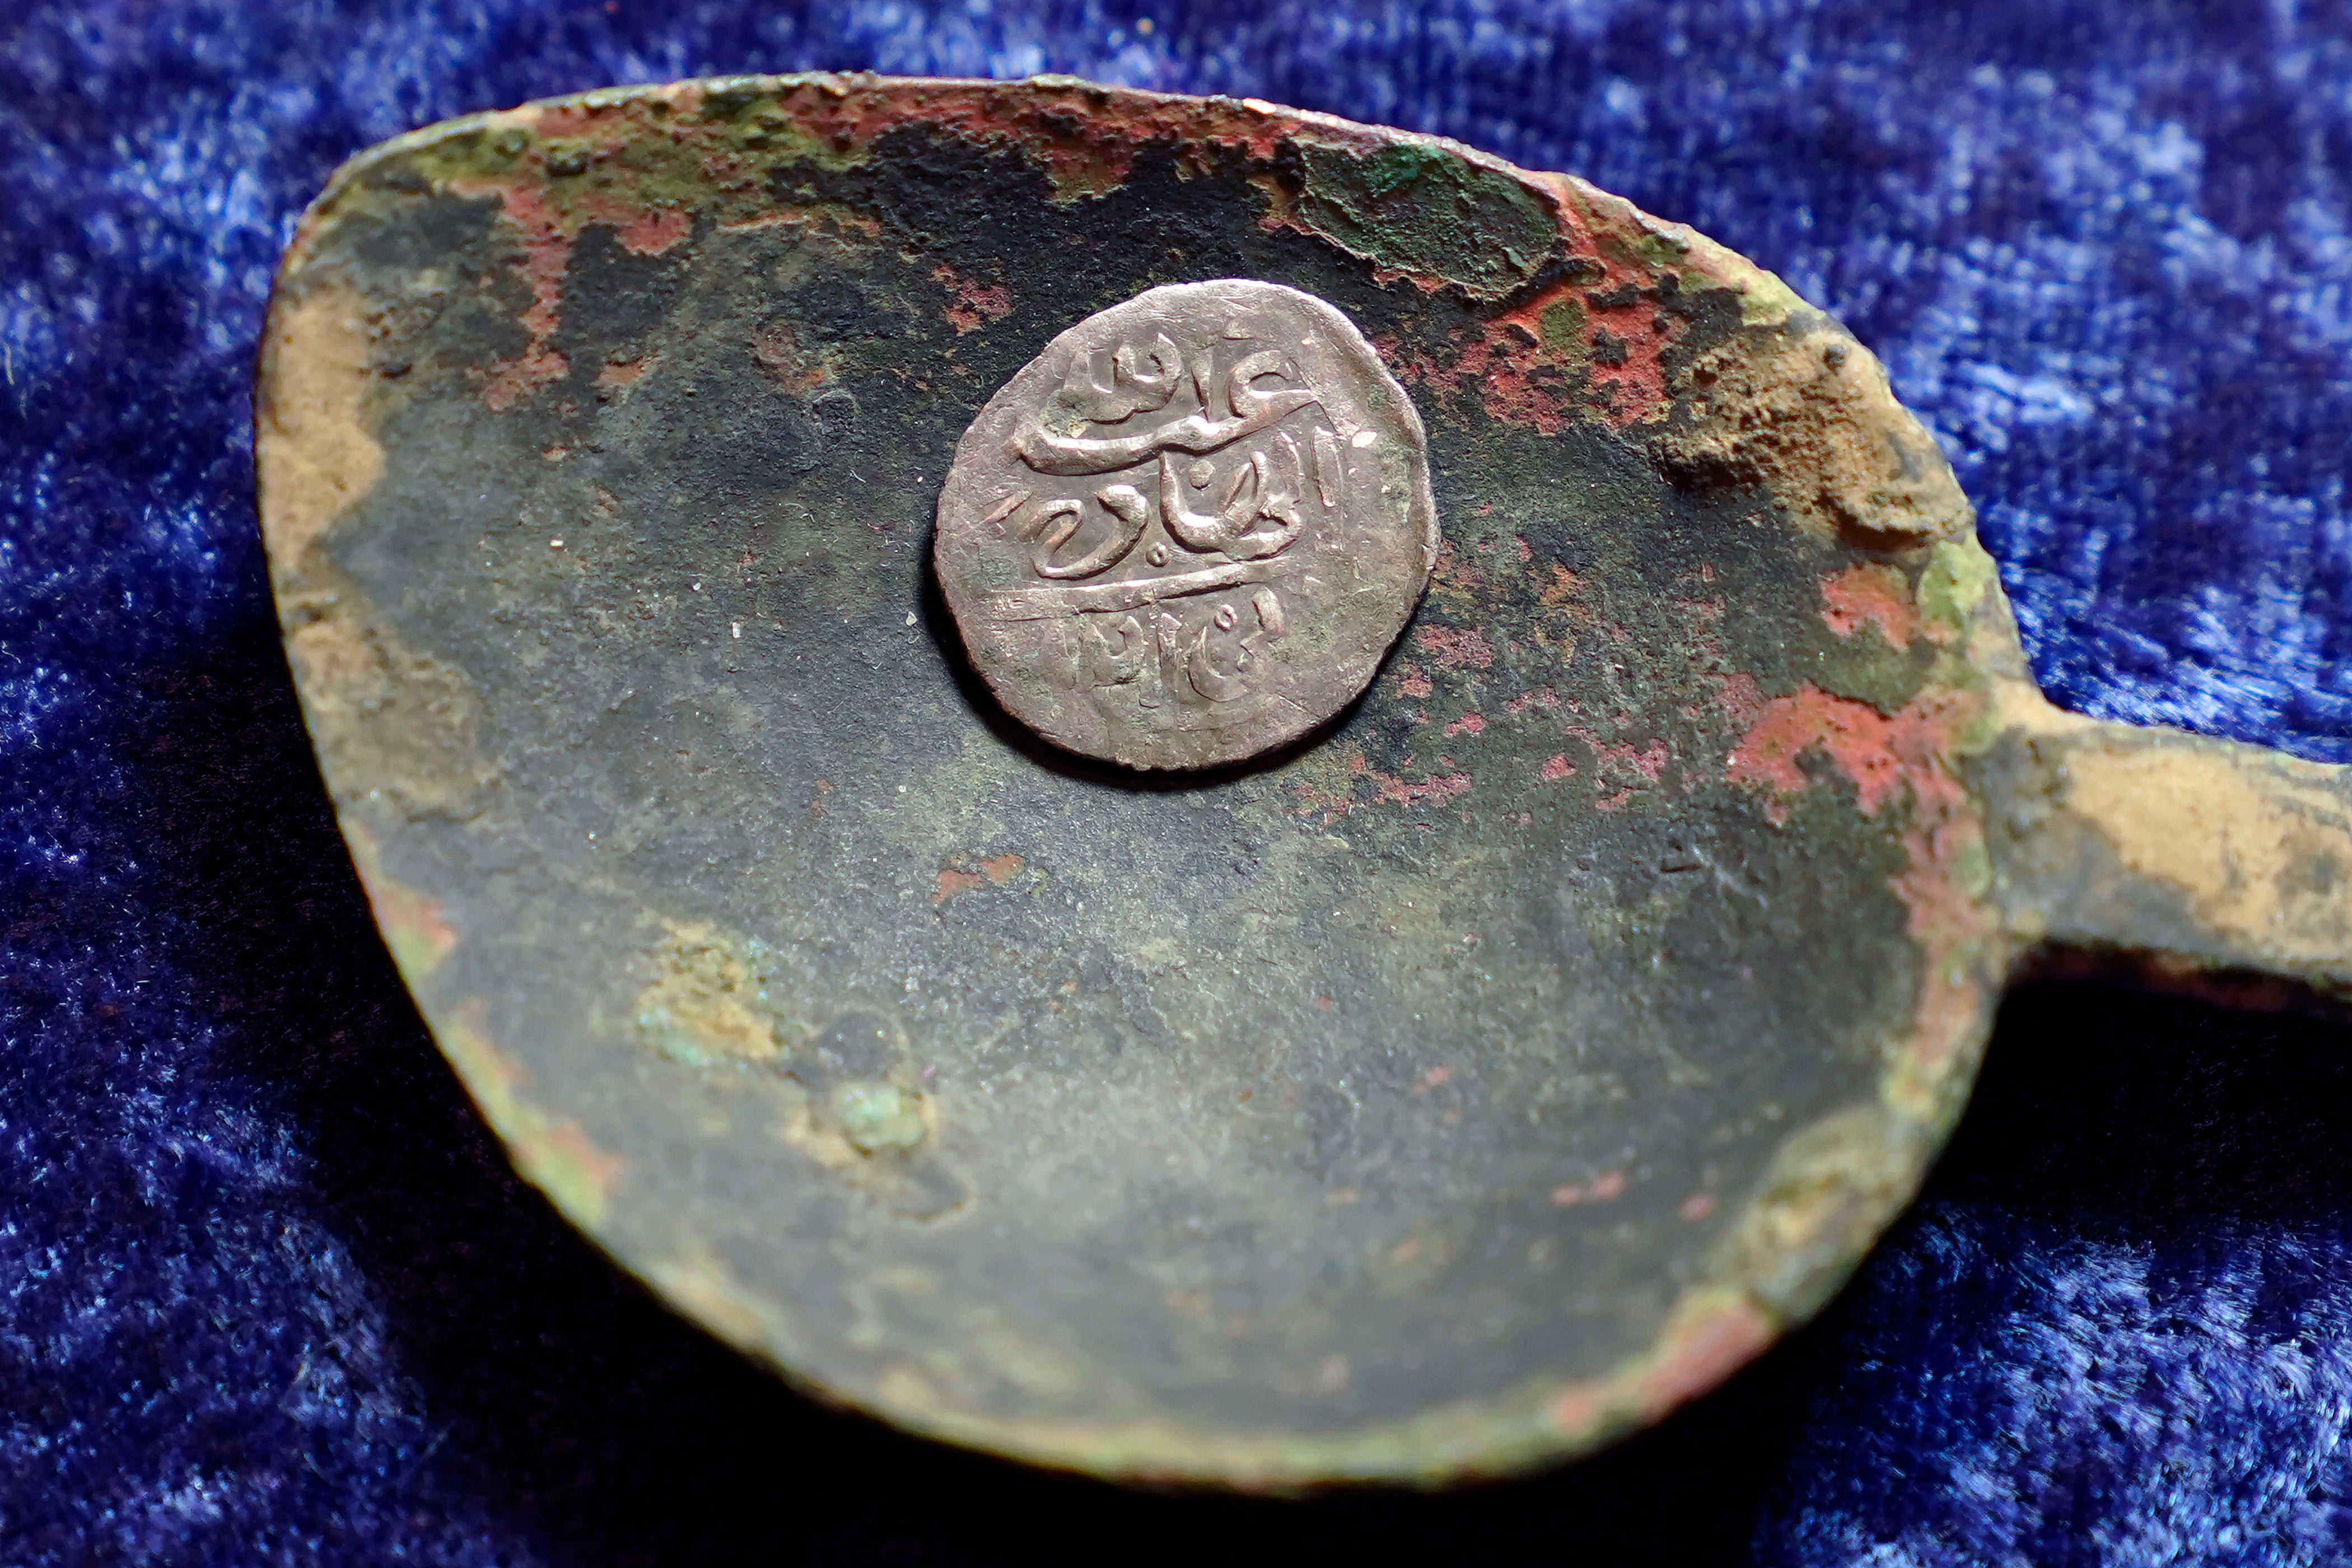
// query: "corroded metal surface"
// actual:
[[1186, 532], [1502, 1065]]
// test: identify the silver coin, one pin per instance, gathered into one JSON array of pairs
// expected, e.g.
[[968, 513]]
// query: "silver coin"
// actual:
[[1186, 532]]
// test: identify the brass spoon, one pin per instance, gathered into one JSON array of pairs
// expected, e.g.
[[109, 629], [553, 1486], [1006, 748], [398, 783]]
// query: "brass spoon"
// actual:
[[1463, 1085]]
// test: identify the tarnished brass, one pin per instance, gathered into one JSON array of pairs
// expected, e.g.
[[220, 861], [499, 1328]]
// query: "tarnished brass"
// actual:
[[1541, 1026]]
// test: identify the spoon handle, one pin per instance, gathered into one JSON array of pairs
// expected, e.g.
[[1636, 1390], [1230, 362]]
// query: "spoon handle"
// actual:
[[2191, 861]]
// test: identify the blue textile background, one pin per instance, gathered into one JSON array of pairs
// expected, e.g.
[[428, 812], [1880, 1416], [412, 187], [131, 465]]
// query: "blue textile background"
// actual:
[[267, 1291]]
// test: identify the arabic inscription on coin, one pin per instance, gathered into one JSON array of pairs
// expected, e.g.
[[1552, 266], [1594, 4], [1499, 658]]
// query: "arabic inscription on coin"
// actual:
[[1186, 532]]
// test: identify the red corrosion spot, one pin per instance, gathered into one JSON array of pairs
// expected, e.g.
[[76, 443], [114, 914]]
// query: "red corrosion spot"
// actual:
[[1630, 339], [961, 876], [1435, 790], [1704, 1356], [1599, 1189], [1739, 696], [572, 1146], [1562, 592], [779, 349], [1877, 754], [1697, 1358], [1939, 915], [1628, 767], [1451, 571], [617, 375], [1592, 346], [1412, 682], [655, 230], [1468, 724], [1649, 763], [972, 304], [1092, 149], [1455, 649], [1434, 1077], [1881, 755], [547, 255], [576, 120], [1556, 767], [953, 881], [1386, 788], [1863, 594]]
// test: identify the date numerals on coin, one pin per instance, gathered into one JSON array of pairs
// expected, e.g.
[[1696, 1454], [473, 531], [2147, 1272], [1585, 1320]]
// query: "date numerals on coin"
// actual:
[[1162, 659]]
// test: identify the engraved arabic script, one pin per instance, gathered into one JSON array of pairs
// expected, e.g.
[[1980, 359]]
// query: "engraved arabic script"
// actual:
[[1206, 491], [1165, 498]]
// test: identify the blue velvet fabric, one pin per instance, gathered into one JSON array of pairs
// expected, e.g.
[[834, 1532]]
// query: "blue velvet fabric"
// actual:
[[270, 1294]]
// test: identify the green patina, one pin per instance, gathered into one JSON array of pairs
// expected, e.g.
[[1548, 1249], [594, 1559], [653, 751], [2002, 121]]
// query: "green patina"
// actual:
[[1766, 300], [1421, 208], [878, 1116], [1563, 326], [617, 153], [1958, 574]]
